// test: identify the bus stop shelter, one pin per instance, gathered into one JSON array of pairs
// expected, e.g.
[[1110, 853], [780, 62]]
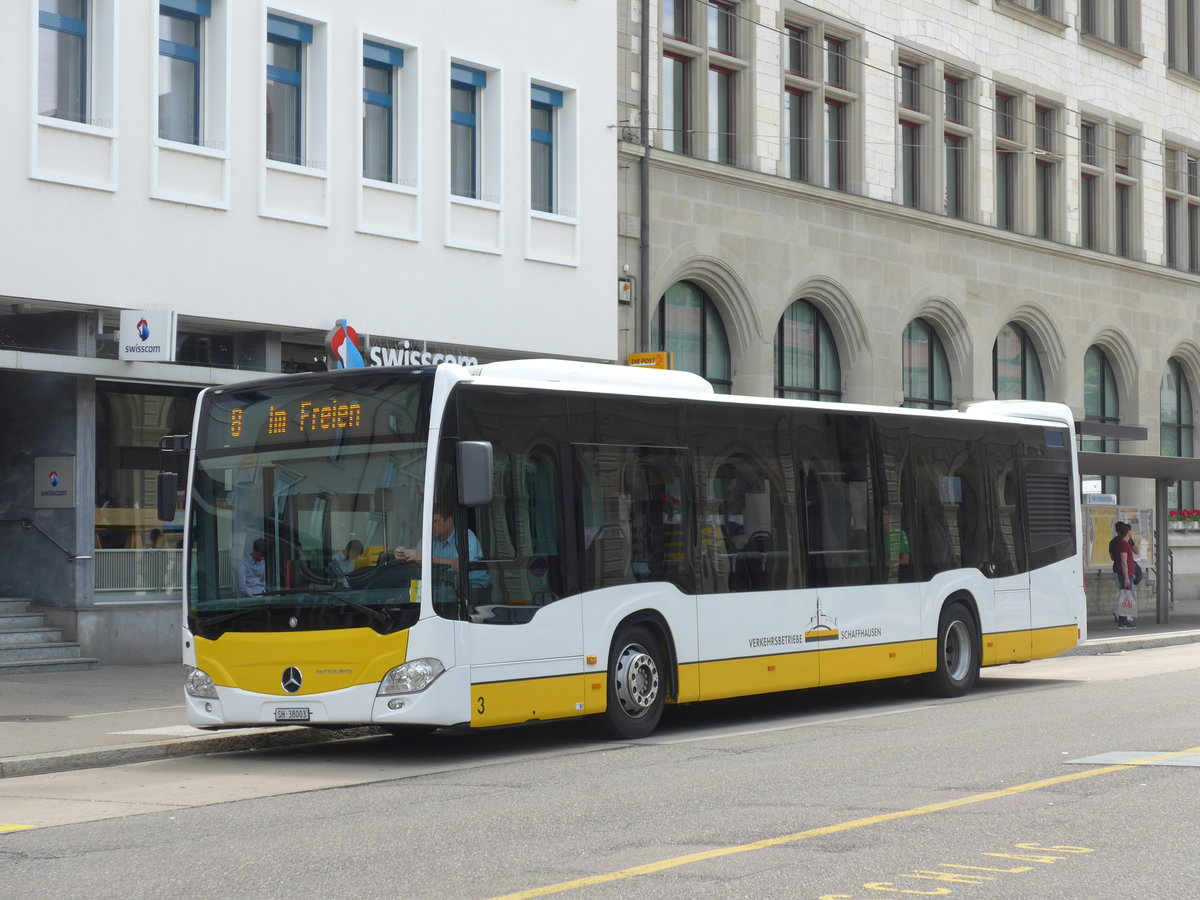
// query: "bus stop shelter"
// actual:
[[1163, 471]]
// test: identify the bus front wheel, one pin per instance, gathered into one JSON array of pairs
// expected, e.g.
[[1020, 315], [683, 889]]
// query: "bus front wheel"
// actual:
[[957, 653], [636, 685]]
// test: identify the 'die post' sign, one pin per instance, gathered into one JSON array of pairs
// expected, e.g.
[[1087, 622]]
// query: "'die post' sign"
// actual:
[[147, 335]]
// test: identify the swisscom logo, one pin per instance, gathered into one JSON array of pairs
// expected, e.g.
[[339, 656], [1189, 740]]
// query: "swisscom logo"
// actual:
[[53, 479], [143, 333]]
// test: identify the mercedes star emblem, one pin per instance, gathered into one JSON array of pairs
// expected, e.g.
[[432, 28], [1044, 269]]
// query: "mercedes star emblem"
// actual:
[[291, 679]]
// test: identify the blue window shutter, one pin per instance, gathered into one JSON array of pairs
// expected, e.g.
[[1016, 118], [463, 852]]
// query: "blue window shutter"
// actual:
[[380, 53], [289, 30], [545, 96], [465, 75], [187, 7]]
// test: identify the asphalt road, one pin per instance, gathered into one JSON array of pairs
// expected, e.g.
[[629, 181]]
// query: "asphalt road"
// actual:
[[1062, 778]]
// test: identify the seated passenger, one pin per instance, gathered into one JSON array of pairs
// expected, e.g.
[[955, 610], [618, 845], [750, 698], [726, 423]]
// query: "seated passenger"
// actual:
[[346, 558]]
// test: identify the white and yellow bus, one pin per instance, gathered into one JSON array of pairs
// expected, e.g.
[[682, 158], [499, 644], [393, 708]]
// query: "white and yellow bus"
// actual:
[[548, 539]]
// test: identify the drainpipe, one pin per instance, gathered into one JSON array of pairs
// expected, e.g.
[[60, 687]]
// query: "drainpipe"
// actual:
[[644, 187]]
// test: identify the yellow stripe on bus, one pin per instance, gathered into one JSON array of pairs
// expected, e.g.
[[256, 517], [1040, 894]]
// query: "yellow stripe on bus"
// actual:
[[328, 660], [532, 699]]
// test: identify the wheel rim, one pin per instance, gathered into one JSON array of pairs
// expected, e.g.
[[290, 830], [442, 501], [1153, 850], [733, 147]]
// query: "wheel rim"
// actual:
[[957, 651], [636, 676]]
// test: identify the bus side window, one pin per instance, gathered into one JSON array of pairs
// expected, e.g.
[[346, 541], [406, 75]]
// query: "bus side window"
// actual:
[[635, 514], [839, 500]]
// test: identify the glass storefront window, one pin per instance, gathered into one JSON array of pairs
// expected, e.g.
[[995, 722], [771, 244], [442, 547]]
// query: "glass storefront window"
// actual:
[[130, 420]]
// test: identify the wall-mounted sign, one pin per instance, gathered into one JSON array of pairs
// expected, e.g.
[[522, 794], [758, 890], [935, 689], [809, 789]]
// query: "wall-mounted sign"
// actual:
[[343, 346], [147, 335], [54, 482], [418, 353], [660, 360]]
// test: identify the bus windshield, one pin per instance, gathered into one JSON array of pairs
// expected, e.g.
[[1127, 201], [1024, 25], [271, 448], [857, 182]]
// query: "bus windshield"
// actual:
[[299, 497]]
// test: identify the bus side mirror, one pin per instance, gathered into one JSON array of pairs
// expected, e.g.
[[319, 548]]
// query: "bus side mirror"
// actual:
[[168, 490], [474, 473]]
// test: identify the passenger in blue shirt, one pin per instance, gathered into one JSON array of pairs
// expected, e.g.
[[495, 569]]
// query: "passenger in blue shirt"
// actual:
[[250, 573], [445, 553]]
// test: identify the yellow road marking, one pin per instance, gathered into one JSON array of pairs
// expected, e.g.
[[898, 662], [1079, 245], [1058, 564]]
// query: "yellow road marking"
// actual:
[[5, 828], [677, 861]]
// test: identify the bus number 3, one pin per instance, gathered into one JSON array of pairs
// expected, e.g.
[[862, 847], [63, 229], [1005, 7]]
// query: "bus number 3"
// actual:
[[479, 710]]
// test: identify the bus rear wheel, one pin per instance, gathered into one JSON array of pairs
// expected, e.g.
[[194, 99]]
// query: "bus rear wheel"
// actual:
[[957, 653], [636, 686]]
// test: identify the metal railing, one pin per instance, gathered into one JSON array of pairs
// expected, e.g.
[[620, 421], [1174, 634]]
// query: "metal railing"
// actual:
[[139, 570]]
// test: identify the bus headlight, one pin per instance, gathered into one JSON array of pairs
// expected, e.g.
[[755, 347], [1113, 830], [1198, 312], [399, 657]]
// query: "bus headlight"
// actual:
[[197, 683], [411, 677]]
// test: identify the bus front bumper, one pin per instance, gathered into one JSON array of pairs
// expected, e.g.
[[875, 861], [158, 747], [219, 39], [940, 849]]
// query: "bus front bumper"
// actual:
[[443, 703]]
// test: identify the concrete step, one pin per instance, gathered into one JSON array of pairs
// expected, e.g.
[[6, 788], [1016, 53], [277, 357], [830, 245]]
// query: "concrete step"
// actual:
[[31, 651], [33, 666], [15, 621], [42, 634], [13, 605]]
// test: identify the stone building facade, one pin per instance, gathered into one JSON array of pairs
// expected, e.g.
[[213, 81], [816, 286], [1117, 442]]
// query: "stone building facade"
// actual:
[[921, 203]]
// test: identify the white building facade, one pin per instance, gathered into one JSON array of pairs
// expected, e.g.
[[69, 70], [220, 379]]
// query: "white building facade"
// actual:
[[922, 203], [235, 177]]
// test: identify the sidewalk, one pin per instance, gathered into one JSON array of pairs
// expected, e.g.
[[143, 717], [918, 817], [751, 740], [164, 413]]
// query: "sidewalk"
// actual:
[[114, 715]]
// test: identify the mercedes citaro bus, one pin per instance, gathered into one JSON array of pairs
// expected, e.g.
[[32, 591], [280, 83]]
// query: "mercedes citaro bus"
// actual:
[[535, 540]]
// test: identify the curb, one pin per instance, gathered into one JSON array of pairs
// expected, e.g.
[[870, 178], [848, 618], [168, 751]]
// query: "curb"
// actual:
[[98, 757], [1101, 646]]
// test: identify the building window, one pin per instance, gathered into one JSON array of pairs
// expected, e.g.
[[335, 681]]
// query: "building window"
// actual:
[[1090, 171], [1045, 174], [1009, 146], [835, 145], [913, 122], [1113, 21], [1101, 406], [1125, 181], [1016, 371], [910, 164], [721, 26], [796, 50], [700, 78], [687, 325], [720, 115], [180, 73], [926, 368], [957, 140], [1183, 24], [544, 106], [798, 112], [817, 95], [466, 87], [1176, 430], [675, 18], [287, 41], [806, 357], [381, 65], [63, 59], [676, 100], [955, 166], [1181, 182]]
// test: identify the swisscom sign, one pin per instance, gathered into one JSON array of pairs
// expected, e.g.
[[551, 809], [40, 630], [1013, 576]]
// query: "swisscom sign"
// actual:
[[147, 335]]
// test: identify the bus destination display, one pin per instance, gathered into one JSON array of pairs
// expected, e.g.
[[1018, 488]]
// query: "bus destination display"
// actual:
[[246, 419]]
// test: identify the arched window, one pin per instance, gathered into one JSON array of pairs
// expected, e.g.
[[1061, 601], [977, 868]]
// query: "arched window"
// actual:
[[1176, 431], [806, 358], [688, 325], [1016, 372], [926, 370], [1101, 406]]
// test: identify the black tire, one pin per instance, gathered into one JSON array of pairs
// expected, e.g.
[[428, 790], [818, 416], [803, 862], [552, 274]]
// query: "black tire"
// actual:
[[957, 653], [637, 684]]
